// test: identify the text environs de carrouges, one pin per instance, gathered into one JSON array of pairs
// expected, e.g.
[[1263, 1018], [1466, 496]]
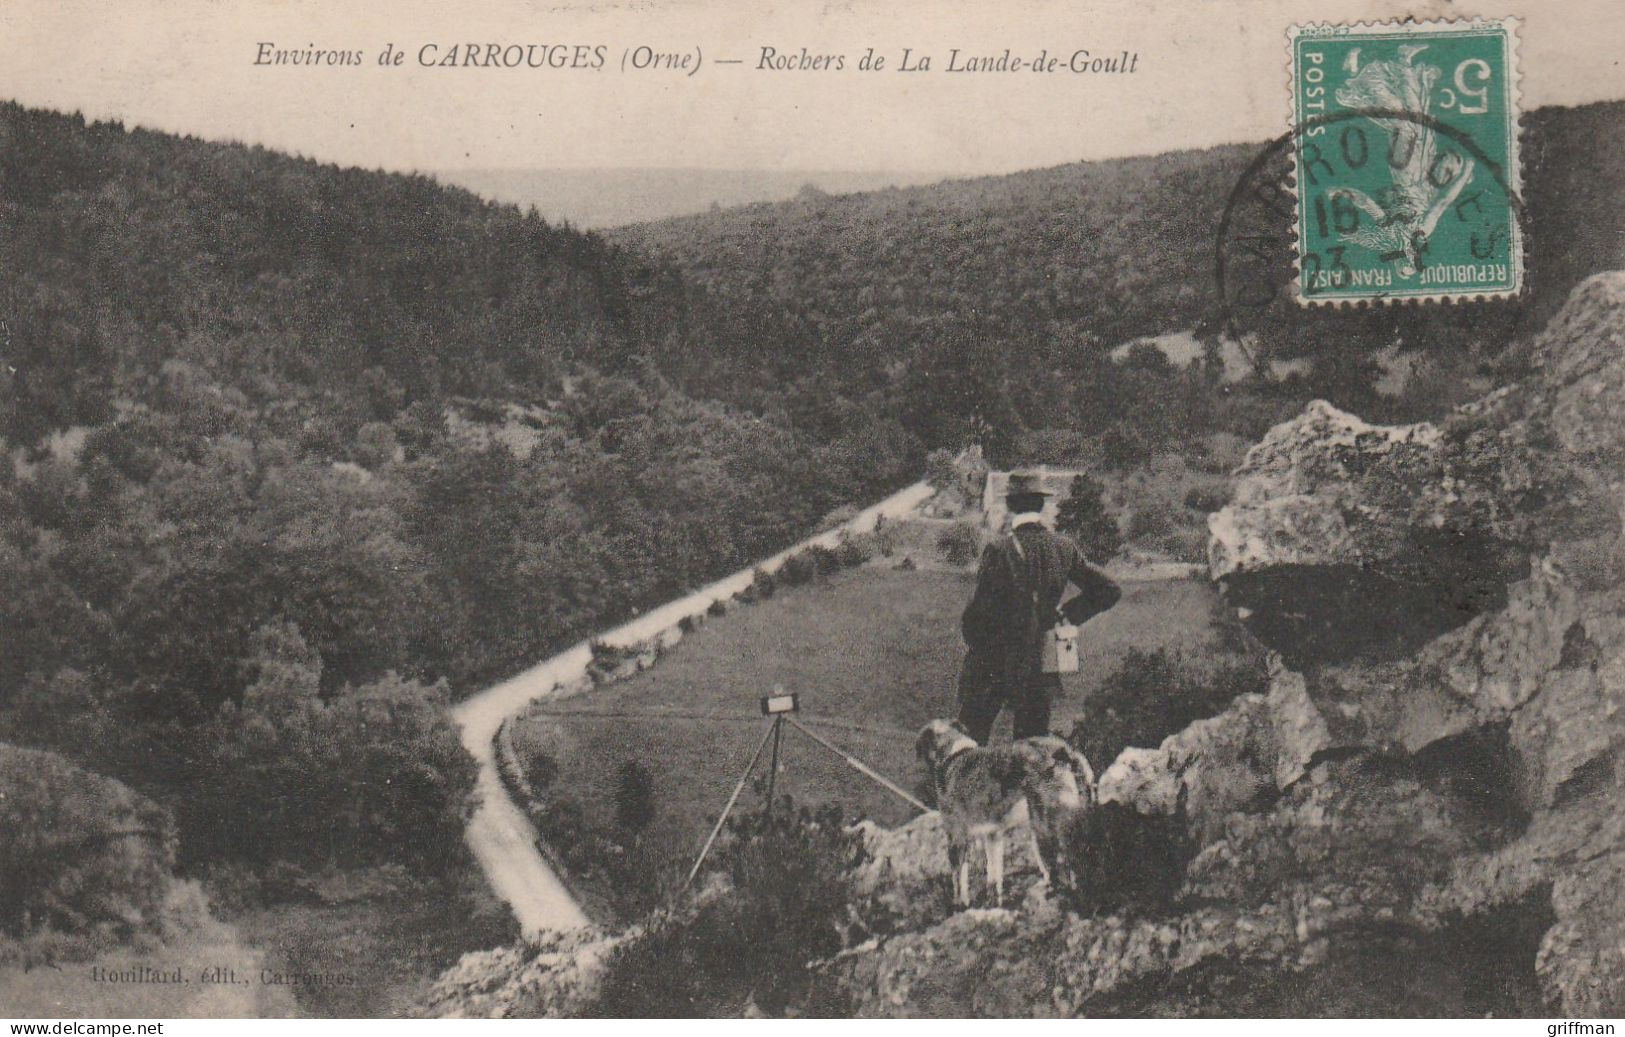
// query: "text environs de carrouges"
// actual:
[[447, 55]]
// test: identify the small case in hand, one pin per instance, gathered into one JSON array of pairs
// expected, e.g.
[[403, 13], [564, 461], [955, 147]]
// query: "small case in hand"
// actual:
[[1060, 649]]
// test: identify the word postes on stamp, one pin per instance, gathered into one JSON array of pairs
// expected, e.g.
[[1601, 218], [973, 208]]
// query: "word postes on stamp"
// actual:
[[1405, 150]]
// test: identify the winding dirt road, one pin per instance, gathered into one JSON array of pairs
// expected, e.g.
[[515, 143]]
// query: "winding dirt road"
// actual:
[[501, 836]]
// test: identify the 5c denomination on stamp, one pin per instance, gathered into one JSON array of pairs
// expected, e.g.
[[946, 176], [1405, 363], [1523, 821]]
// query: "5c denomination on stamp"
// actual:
[[1405, 153]]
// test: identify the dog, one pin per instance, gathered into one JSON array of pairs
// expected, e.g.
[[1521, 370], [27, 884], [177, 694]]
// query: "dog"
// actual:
[[983, 791]]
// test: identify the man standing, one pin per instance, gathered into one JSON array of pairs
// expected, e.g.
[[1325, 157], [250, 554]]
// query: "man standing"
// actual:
[[1019, 586]]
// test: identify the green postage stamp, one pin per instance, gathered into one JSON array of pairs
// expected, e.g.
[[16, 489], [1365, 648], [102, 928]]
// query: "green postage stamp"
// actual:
[[1405, 145]]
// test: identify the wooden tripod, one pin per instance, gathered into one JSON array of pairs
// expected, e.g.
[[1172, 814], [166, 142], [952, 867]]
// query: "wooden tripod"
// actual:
[[775, 733]]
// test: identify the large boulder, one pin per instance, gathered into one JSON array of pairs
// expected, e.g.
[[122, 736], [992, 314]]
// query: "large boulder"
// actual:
[[1346, 539]]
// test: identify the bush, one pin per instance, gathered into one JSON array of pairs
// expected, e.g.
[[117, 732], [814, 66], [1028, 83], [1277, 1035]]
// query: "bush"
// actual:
[[824, 560], [606, 657], [788, 905], [1187, 544], [856, 549], [1151, 695], [798, 569], [1149, 523], [1125, 447], [611, 870], [1121, 858], [940, 471], [540, 769], [764, 584], [808, 563], [1083, 516], [886, 536], [371, 775], [958, 543], [1222, 452], [1207, 499]]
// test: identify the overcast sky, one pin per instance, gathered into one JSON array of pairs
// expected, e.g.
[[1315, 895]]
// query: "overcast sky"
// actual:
[[1207, 73]]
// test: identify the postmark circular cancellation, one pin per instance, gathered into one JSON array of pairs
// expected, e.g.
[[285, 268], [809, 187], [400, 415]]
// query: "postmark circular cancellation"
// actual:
[[1397, 180]]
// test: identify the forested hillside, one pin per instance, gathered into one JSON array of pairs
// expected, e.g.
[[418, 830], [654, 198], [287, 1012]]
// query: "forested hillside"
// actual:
[[989, 300], [294, 454], [290, 454]]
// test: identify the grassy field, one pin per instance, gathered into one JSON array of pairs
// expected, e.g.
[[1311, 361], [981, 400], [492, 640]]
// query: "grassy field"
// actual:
[[874, 653]]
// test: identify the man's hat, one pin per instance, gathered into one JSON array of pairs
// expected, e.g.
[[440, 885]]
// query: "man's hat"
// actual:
[[1023, 484]]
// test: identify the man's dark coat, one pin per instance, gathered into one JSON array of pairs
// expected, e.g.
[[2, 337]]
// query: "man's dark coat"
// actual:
[[1019, 586]]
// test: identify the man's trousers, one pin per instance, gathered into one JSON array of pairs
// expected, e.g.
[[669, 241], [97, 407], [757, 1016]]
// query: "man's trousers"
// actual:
[[986, 688]]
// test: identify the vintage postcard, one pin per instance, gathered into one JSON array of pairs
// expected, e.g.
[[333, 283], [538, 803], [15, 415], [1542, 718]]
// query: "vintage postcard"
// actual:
[[689, 510]]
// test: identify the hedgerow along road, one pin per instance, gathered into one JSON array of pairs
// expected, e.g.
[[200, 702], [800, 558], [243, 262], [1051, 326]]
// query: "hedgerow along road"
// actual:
[[501, 836]]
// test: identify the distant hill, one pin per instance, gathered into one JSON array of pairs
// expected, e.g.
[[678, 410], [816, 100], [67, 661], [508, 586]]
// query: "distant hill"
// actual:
[[1070, 244], [1047, 266], [596, 198]]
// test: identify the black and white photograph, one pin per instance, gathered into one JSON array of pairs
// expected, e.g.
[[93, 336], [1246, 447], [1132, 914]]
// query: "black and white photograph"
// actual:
[[827, 509]]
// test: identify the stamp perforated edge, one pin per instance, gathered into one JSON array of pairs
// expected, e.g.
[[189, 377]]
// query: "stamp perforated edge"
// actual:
[[1513, 173]]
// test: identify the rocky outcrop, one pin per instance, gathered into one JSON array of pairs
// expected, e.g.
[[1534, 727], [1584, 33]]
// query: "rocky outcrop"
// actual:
[[557, 975], [1503, 681], [901, 883], [1431, 785]]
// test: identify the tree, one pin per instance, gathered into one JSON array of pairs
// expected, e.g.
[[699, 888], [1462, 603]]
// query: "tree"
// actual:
[[83, 854], [1082, 515], [956, 392], [940, 471], [374, 774]]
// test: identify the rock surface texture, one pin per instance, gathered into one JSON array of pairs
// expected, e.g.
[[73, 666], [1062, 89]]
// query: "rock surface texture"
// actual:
[[552, 976], [1423, 813]]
